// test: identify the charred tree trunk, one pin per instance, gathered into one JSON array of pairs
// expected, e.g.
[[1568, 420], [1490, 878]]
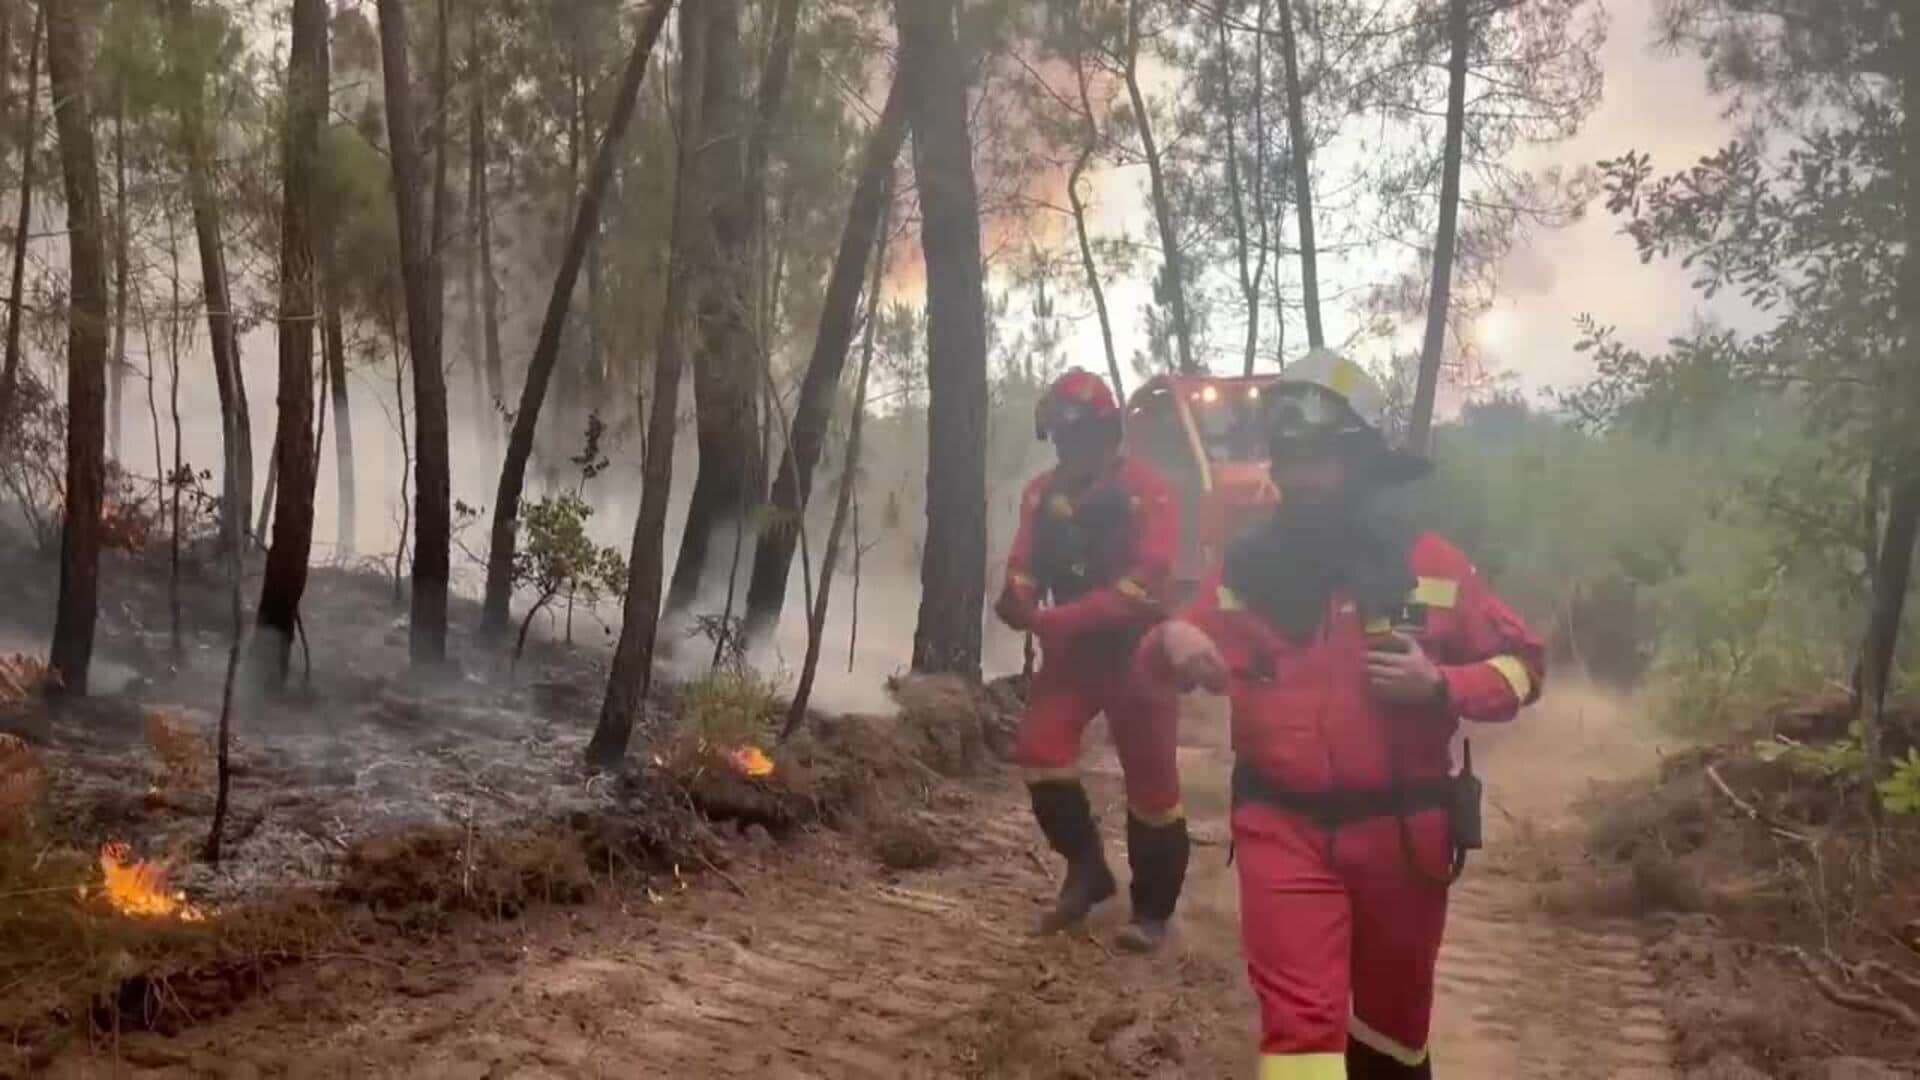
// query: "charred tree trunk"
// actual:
[[793, 480], [631, 678], [10, 373], [1440, 298], [346, 539], [484, 432], [1242, 241], [67, 76], [1090, 141], [1302, 147], [546, 351], [1176, 279], [236, 427], [730, 479], [285, 580], [1894, 572], [483, 212], [116, 395], [419, 258], [954, 562]]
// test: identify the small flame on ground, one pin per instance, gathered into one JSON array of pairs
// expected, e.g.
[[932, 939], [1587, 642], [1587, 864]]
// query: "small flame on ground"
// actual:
[[749, 761], [137, 887]]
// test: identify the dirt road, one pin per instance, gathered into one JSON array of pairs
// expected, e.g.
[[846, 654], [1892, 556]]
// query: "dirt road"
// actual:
[[812, 962]]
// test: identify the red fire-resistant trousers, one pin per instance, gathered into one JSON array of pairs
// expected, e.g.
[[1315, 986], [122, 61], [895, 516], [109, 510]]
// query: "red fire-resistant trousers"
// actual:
[[1143, 718], [1341, 932]]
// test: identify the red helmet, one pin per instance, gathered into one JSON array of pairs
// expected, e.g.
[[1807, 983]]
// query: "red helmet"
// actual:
[[1075, 397]]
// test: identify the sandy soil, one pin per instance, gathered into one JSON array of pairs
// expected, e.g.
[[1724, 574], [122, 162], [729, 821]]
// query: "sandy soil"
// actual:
[[813, 961]]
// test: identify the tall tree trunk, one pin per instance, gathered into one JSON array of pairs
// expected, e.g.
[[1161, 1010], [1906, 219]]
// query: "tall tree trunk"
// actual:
[[954, 561], [1089, 142], [1894, 572], [546, 351], [485, 433], [10, 373], [420, 265], [1440, 297], [1242, 241], [285, 580], [67, 75], [236, 426], [793, 480], [489, 284], [1259, 183], [1302, 155], [116, 394], [1176, 279], [631, 678], [334, 341], [729, 482]]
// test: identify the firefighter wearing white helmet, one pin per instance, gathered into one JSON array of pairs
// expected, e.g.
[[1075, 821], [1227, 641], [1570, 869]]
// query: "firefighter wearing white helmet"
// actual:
[[1351, 650]]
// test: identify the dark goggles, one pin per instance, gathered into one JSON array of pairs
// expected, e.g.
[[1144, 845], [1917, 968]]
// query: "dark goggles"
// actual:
[[1055, 415]]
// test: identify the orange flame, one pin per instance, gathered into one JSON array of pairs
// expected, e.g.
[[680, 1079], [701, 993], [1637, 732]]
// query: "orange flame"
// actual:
[[137, 887], [750, 762]]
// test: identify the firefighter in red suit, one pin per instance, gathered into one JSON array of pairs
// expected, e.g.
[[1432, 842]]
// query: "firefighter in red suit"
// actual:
[[1350, 649], [1096, 543]]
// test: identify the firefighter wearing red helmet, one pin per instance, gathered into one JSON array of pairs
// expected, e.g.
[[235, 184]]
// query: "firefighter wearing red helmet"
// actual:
[[1096, 543], [1350, 649]]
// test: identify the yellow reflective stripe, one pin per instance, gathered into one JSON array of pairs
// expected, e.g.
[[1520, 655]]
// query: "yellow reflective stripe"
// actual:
[[1303, 1067], [1436, 592], [1344, 377], [1376, 627], [1060, 506], [1038, 775], [1163, 817], [1227, 599], [1132, 590], [1022, 580], [1515, 672], [1365, 1035]]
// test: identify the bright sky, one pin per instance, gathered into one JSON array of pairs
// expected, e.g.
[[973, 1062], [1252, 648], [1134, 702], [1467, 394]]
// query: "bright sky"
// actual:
[[1653, 102]]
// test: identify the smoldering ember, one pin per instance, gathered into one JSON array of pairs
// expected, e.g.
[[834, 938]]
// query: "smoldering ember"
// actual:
[[1293, 539]]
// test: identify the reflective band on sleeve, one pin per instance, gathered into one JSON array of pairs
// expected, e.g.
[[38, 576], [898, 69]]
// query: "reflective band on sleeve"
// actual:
[[1164, 817], [1303, 1067], [1034, 775], [1022, 580], [1366, 1036], [1060, 506], [1376, 627], [1227, 599], [1515, 672], [1436, 592], [1132, 590]]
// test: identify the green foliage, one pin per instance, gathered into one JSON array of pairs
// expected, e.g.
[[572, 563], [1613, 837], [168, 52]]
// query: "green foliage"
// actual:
[[556, 555], [1900, 792]]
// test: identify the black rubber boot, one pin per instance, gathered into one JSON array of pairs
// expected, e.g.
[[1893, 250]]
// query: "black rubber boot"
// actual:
[[1366, 1063], [1066, 817], [1158, 856]]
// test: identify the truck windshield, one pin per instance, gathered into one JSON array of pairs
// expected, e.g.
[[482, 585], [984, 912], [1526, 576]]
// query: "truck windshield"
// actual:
[[1229, 422]]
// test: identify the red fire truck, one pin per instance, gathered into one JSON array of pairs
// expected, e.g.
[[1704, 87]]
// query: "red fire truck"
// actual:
[[1202, 432]]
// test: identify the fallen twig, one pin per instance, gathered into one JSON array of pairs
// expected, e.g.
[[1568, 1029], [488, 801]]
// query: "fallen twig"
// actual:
[[1876, 1001], [722, 875], [1750, 810]]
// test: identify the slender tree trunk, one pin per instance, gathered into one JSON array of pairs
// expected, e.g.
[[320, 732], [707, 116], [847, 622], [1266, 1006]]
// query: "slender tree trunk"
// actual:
[[10, 373], [730, 478], [406, 455], [631, 678], [334, 341], [954, 560], [1242, 241], [1162, 199], [1440, 298], [813, 413], [486, 435], [1894, 572], [420, 262], [179, 476], [1302, 146], [67, 73], [849, 477], [1089, 143], [285, 580], [483, 210], [236, 427], [546, 351], [1259, 184], [116, 394]]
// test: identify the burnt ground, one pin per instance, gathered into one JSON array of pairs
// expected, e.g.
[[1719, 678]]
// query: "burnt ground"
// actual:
[[481, 906]]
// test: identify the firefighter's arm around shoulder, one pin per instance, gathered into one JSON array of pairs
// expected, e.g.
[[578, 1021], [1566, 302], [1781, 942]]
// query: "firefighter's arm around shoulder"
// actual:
[[1134, 599], [1491, 663]]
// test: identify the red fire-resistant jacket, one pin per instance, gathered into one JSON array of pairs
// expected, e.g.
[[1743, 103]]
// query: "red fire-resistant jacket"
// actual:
[[1302, 713], [1129, 566]]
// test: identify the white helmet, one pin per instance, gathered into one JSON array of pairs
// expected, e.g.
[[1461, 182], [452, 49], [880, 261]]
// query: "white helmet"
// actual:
[[1336, 374]]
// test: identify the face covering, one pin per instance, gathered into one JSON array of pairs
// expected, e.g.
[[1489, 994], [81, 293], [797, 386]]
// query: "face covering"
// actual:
[[1289, 569]]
